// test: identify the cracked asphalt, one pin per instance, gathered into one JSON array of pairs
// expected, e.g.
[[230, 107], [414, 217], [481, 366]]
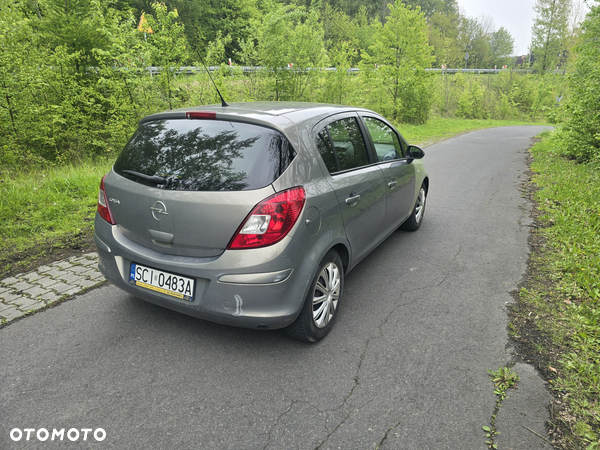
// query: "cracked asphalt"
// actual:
[[405, 367]]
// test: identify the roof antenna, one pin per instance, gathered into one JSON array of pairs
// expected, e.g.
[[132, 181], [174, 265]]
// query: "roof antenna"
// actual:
[[223, 102]]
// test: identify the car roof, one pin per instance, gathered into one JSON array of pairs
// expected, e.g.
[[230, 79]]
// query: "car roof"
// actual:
[[279, 114], [293, 119]]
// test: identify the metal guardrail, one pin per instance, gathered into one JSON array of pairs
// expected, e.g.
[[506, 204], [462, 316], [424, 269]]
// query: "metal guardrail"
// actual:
[[193, 69], [248, 69]]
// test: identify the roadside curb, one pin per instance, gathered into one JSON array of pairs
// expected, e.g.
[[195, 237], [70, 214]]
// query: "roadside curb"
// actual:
[[25, 293]]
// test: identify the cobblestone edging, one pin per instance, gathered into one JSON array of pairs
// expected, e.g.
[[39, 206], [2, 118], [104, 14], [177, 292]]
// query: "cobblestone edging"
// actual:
[[28, 292]]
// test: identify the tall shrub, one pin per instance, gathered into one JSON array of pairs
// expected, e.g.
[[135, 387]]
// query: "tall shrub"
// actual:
[[337, 82], [581, 131]]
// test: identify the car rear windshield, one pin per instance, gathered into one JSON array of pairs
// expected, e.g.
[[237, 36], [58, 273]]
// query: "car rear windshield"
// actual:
[[204, 155]]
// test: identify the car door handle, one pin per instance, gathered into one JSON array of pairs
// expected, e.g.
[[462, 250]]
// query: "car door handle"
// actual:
[[392, 184], [352, 200]]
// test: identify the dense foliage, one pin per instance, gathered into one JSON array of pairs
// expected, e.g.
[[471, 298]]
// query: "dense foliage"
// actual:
[[74, 76], [581, 132]]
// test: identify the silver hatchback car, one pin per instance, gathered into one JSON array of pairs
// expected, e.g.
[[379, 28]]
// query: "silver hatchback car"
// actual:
[[252, 214]]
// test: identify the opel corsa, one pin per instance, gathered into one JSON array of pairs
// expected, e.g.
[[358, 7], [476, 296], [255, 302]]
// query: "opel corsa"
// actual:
[[252, 214]]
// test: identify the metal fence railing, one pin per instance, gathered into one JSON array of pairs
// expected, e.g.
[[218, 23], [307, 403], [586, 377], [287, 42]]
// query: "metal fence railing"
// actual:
[[246, 69]]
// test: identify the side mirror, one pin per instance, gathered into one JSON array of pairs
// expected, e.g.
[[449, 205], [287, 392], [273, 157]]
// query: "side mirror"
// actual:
[[414, 152]]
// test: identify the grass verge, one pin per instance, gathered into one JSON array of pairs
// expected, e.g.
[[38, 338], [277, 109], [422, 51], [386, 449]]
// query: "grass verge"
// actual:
[[45, 212], [440, 128], [556, 320]]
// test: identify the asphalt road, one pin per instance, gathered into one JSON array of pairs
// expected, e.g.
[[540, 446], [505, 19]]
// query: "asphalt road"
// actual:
[[405, 367]]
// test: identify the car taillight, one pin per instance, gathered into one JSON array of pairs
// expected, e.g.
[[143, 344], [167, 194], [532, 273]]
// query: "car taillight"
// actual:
[[103, 208], [270, 221]]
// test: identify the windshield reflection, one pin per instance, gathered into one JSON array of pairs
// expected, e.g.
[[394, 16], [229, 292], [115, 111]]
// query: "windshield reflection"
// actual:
[[206, 156]]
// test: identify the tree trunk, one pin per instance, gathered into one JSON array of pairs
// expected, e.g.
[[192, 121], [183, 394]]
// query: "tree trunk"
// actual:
[[10, 111]]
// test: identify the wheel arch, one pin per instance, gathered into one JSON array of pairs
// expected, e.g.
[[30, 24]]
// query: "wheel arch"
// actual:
[[342, 250]]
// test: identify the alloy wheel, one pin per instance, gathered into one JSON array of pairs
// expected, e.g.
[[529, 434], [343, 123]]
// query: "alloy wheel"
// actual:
[[326, 295], [420, 206]]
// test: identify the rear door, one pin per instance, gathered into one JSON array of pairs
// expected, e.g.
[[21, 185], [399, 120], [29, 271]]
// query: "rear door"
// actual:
[[358, 184]]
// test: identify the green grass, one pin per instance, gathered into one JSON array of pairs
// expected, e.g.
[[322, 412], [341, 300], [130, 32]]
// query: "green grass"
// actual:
[[564, 294], [440, 128], [42, 206]]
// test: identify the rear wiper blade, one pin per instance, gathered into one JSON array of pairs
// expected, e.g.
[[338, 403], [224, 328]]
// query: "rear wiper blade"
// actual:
[[150, 178]]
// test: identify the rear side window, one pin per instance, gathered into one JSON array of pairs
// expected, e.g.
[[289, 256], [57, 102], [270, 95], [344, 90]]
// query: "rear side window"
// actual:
[[342, 146], [326, 150], [204, 155], [349, 145]]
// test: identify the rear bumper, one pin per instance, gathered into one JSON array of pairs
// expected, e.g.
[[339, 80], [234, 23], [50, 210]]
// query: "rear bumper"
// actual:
[[266, 288]]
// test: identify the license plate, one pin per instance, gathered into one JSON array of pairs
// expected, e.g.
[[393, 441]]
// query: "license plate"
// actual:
[[164, 282]]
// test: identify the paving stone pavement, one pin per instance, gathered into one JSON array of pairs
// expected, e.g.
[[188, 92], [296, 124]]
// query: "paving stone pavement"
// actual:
[[27, 292]]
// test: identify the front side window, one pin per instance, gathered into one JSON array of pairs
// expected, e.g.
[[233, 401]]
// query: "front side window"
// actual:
[[386, 142], [204, 155], [342, 146]]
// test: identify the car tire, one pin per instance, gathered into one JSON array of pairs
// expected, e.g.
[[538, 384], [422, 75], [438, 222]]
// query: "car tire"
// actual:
[[416, 217], [322, 301]]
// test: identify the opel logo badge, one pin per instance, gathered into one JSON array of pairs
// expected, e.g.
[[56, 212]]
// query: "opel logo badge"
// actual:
[[159, 211]]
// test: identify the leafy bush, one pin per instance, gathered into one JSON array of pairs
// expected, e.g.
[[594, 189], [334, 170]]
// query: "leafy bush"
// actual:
[[581, 132], [64, 111], [415, 100], [470, 104], [505, 95]]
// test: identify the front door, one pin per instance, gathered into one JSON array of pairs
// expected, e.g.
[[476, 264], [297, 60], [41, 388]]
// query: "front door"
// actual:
[[399, 172]]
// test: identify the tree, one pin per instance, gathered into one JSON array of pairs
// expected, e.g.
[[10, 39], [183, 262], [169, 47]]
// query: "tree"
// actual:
[[290, 44], [55, 105], [430, 7], [167, 45], [501, 47], [204, 20], [581, 130], [549, 33], [76, 25], [443, 37], [401, 54], [337, 26], [474, 39], [18, 68], [362, 31], [336, 82]]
